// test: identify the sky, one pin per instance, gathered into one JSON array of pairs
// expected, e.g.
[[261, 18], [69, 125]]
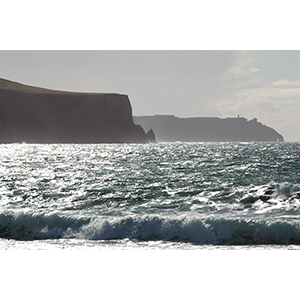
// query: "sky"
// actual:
[[258, 84]]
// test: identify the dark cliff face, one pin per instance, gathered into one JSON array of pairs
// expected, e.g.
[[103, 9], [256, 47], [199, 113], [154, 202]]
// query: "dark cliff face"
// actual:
[[34, 115], [171, 129]]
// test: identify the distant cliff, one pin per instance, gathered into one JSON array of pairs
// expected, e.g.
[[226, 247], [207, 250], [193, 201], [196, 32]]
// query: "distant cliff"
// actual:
[[171, 129], [36, 115]]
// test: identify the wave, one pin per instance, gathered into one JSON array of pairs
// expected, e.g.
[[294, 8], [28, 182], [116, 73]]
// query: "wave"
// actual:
[[273, 193], [190, 229], [27, 226]]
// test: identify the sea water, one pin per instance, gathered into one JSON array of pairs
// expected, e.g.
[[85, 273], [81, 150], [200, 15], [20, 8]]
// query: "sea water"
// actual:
[[150, 196]]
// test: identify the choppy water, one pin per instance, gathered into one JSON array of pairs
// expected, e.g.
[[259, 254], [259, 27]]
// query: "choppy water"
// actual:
[[154, 196]]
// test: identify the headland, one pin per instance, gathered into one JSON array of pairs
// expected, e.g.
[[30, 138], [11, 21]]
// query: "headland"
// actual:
[[169, 128], [37, 115]]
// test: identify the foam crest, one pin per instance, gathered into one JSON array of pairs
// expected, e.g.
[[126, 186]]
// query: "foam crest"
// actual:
[[191, 229], [288, 190]]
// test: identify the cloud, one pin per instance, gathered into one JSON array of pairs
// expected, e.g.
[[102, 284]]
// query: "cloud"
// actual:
[[247, 85], [241, 67], [251, 70], [248, 92], [286, 84]]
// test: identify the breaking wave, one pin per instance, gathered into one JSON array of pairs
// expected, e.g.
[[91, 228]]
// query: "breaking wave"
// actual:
[[189, 229]]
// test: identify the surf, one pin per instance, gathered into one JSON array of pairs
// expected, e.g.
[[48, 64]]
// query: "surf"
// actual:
[[187, 229]]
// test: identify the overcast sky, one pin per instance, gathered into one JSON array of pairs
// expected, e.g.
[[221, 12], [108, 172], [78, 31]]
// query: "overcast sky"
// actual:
[[261, 84]]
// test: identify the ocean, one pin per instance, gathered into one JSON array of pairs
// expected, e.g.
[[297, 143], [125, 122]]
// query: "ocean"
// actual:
[[166, 196]]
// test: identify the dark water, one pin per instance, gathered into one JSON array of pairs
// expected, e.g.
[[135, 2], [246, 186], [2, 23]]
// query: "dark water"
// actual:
[[157, 196]]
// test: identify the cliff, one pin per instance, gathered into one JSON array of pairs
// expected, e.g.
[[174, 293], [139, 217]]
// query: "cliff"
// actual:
[[171, 129], [35, 115]]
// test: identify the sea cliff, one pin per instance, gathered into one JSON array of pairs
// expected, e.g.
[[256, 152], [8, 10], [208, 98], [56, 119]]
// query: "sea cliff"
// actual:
[[169, 128], [36, 115]]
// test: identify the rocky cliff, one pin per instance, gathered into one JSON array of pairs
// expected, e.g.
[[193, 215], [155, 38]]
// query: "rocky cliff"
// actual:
[[36, 115], [171, 129]]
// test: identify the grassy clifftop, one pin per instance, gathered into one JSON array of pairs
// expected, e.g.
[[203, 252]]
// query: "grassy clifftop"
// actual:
[[22, 88]]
